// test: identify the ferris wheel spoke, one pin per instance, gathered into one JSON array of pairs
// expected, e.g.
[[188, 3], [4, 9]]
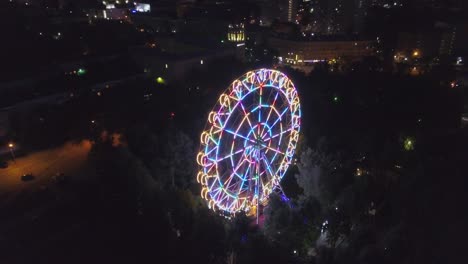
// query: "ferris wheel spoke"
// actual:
[[228, 181], [246, 115], [232, 154], [216, 193], [279, 134], [222, 195], [242, 123], [279, 117], [260, 93], [234, 171], [244, 179], [274, 150], [272, 106], [239, 135], [246, 86], [268, 166]]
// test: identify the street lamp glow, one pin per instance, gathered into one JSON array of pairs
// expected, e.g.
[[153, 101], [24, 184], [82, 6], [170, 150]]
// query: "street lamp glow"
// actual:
[[12, 152], [81, 72], [160, 80], [358, 172], [408, 144]]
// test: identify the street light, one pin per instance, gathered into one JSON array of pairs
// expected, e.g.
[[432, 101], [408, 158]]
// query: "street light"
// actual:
[[160, 80], [408, 144], [11, 146]]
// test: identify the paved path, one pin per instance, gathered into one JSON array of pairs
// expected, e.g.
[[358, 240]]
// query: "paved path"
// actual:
[[70, 158]]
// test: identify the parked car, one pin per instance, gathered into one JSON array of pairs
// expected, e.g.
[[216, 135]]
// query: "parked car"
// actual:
[[27, 177], [59, 178]]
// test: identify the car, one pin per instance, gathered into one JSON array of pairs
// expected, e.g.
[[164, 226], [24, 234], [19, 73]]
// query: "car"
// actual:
[[27, 177], [59, 178], [3, 164]]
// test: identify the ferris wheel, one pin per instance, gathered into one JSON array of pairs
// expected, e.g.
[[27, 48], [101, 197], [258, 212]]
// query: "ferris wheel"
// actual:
[[249, 141]]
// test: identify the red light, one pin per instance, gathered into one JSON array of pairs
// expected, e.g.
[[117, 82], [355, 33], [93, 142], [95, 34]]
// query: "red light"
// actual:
[[172, 114]]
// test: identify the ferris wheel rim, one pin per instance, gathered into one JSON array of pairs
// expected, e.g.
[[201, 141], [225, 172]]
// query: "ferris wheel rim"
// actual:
[[291, 103]]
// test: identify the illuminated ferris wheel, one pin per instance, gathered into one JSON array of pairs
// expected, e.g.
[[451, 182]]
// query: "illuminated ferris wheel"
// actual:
[[249, 141]]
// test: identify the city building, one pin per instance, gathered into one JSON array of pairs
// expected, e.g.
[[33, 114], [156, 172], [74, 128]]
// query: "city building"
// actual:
[[236, 33], [332, 17], [43, 3], [278, 10], [359, 15], [174, 67], [142, 7], [447, 40], [288, 10], [442, 39], [109, 13], [390, 3], [308, 52]]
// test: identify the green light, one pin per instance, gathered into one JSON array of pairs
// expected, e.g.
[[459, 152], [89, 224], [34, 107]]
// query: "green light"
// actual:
[[335, 99], [81, 72], [160, 80], [408, 144]]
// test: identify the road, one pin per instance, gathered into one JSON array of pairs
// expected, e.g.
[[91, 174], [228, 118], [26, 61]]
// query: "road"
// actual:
[[70, 159], [38, 213]]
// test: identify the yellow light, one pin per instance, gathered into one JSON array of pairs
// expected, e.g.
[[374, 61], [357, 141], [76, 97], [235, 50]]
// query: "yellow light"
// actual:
[[358, 172], [415, 53], [200, 158], [204, 137], [204, 193], [212, 117], [224, 100], [160, 80], [211, 205], [11, 145], [409, 144], [199, 176]]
